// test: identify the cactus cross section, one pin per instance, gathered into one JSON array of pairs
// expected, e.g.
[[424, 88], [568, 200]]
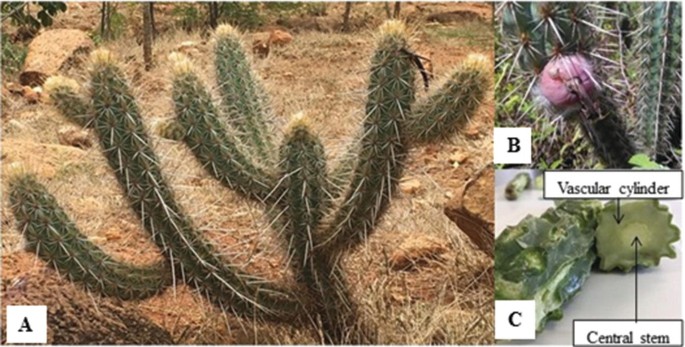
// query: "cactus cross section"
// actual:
[[322, 213]]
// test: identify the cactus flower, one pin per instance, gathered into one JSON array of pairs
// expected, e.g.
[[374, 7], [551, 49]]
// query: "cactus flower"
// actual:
[[562, 77]]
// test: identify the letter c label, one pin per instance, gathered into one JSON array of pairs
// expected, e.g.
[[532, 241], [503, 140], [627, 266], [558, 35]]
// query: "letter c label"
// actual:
[[511, 318]]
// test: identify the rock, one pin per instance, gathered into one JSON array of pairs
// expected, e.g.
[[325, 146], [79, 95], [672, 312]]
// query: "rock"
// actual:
[[52, 51], [260, 48], [410, 186], [71, 136], [416, 251], [458, 158], [280, 38], [473, 210], [15, 88], [32, 95]]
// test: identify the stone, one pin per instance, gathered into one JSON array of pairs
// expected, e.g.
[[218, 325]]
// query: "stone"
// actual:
[[51, 52], [280, 38], [410, 186], [473, 207], [415, 251], [71, 136]]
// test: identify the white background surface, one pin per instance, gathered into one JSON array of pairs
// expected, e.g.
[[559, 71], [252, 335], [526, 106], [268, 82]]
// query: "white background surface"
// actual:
[[604, 295]]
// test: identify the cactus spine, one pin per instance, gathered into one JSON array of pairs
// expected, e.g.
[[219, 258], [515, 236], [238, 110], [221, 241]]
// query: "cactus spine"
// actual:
[[322, 213]]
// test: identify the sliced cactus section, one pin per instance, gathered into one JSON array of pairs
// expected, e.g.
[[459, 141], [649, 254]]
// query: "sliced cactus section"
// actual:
[[647, 220], [383, 144], [50, 233], [658, 53], [64, 93], [242, 96], [440, 115], [518, 184], [208, 139], [547, 258], [127, 148]]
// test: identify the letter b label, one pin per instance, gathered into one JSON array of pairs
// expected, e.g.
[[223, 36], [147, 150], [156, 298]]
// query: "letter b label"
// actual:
[[512, 146]]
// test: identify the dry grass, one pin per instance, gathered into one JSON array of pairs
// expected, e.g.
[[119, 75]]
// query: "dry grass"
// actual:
[[449, 300]]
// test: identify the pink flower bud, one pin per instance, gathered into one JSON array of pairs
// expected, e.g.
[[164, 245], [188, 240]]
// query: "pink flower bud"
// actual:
[[561, 75]]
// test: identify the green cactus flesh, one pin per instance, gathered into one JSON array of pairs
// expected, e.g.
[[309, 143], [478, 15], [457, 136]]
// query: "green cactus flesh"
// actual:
[[518, 184], [547, 258], [53, 236], [647, 220]]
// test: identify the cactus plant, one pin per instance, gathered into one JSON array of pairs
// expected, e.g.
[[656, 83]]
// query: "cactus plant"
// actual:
[[323, 212], [611, 70]]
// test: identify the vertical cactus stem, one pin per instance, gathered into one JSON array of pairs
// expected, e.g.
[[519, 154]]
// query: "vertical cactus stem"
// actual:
[[303, 168], [207, 137], [50, 233], [64, 94], [243, 98], [127, 148], [658, 50], [441, 114], [383, 144]]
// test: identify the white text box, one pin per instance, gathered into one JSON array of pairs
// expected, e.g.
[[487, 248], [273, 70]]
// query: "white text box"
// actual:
[[613, 184], [628, 333]]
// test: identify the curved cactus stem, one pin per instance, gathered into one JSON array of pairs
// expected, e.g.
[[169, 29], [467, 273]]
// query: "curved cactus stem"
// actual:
[[383, 144], [206, 136], [439, 115], [242, 96], [64, 94], [126, 146], [54, 238]]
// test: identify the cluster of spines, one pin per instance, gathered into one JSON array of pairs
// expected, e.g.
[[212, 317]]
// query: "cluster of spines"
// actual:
[[323, 213]]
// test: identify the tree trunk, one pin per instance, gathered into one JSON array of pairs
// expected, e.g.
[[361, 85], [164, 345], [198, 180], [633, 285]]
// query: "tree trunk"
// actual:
[[105, 16], [396, 12], [213, 14], [346, 16], [147, 35], [152, 20], [386, 6]]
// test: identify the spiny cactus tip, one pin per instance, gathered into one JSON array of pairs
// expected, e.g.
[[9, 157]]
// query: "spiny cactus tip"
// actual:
[[226, 30], [15, 171], [101, 56], [54, 83], [298, 120], [393, 28], [180, 63], [477, 61]]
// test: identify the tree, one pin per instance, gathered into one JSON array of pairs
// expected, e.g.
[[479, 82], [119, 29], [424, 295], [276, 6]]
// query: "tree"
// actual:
[[346, 16], [148, 32]]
